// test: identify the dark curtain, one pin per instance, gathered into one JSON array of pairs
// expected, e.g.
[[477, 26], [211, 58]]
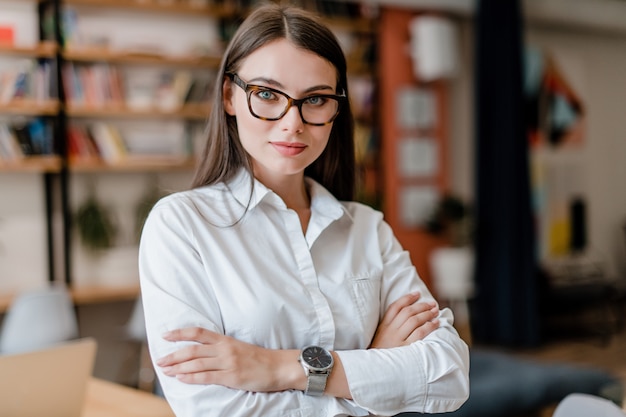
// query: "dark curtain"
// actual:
[[505, 309]]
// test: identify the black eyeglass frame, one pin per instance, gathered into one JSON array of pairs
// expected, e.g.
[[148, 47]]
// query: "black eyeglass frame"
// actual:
[[250, 88]]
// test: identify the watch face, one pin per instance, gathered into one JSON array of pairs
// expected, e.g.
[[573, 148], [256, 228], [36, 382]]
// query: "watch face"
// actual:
[[317, 357]]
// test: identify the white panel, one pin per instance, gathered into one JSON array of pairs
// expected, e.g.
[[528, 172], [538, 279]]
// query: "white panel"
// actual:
[[23, 253], [22, 16]]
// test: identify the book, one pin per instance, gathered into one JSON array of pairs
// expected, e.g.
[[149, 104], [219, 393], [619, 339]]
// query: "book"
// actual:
[[10, 149], [109, 142], [41, 137], [7, 34], [22, 134]]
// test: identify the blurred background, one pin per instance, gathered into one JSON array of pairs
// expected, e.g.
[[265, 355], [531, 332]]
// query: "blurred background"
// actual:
[[491, 134]]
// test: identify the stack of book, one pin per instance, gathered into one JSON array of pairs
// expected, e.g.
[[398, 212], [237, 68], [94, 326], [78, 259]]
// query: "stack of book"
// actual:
[[27, 79], [30, 138], [106, 86], [107, 142]]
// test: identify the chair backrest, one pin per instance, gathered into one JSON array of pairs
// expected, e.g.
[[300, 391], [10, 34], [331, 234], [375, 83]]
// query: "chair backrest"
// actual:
[[586, 405], [38, 319], [135, 328]]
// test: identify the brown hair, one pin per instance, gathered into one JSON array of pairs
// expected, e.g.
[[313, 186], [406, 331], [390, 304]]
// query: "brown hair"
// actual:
[[223, 154]]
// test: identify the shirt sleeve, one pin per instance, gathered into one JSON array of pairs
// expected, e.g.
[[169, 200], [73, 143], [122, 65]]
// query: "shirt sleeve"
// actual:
[[176, 293], [428, 376]]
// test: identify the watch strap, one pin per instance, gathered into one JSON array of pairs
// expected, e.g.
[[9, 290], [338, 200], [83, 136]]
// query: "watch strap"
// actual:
[[316, 384]]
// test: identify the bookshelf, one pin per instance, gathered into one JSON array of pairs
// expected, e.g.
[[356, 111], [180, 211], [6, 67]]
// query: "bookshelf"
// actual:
[[188, 112], [29, 157], [43, 49], [177, 7], [116, 80], [30, 107], [133, 54], [95, 54], [34, 164]]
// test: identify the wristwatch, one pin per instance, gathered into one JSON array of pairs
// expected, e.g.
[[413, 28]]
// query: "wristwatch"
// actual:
[[317, 363]]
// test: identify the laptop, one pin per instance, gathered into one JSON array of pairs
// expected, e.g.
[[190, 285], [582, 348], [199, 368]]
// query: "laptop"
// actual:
[[51, 382]]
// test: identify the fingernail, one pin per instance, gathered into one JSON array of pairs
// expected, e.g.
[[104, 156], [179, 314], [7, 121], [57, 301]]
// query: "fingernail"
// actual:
[[167, 335]]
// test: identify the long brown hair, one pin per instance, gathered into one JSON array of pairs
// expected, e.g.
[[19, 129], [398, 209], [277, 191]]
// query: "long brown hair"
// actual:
[[223, 154]]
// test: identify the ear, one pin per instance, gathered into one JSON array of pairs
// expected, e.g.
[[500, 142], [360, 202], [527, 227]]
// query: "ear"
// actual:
[[228, 96]]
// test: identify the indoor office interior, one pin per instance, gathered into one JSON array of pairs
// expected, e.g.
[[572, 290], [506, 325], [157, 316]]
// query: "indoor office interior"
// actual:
[[491, 136]]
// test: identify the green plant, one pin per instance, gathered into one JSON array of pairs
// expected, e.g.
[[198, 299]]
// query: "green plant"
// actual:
[[95, 225], [451, 218]]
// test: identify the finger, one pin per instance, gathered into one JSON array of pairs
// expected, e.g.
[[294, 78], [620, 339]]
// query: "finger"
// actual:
[[409, 312], [193, 366], [423, 331], [398, 305], [186, 354], [191, 334], [416, 321], [203, 378]]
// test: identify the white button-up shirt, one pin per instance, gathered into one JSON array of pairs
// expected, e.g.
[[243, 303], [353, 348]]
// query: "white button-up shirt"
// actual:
[[237, 262]]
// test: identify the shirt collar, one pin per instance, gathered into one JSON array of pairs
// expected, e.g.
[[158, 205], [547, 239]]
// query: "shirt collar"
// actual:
[[240, 185], [322, 201]]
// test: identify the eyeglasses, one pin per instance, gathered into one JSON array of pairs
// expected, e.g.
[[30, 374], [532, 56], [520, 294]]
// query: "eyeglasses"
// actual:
[[267, 103]]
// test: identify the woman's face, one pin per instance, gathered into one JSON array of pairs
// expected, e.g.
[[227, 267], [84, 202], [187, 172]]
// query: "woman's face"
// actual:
[[283, 147]]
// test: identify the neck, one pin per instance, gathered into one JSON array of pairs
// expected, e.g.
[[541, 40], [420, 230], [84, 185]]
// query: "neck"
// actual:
[[291, 188]]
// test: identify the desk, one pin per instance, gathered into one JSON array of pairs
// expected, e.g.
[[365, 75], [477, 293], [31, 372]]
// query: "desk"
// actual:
[[107, 399]]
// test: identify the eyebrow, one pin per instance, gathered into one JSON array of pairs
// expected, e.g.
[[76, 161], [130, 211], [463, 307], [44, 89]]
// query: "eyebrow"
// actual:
[[278, 85]]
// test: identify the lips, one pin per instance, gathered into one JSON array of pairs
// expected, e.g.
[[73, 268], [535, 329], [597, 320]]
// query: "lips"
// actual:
[[289, 148]]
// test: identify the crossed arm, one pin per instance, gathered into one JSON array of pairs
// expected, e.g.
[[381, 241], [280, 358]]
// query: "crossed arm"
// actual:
[[223, 360]]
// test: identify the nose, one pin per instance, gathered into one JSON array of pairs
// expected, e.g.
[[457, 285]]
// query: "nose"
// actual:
[[292, 120]]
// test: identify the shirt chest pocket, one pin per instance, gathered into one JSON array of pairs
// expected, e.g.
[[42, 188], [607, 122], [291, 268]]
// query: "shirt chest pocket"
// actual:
[[365, 291]]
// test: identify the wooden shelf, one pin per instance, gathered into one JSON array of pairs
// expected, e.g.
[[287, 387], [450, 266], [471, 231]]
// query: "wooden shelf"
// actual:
[[45, 49], [154, 6], [29, 107], [34, 164], [189, 112], [103, 54], [89, 295], [104, 294], [133, 164]]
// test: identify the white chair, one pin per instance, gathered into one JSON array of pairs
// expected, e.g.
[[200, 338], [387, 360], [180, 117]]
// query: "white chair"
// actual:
[[135, 327], [38, 319], [134, 331], [453, 281], [586, 405]]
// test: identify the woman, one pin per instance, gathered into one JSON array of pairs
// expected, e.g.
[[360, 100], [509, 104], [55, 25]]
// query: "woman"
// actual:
[[267, 292]]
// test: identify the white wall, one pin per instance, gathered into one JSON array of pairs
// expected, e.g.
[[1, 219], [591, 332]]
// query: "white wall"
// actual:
[[22, 17], [23, 251]]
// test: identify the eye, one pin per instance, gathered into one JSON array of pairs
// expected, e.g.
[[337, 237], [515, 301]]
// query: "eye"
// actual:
[[316, 100], [265, 94]]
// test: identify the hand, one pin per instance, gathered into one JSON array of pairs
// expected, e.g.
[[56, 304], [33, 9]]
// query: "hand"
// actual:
[[405, 322], [223, 360]]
